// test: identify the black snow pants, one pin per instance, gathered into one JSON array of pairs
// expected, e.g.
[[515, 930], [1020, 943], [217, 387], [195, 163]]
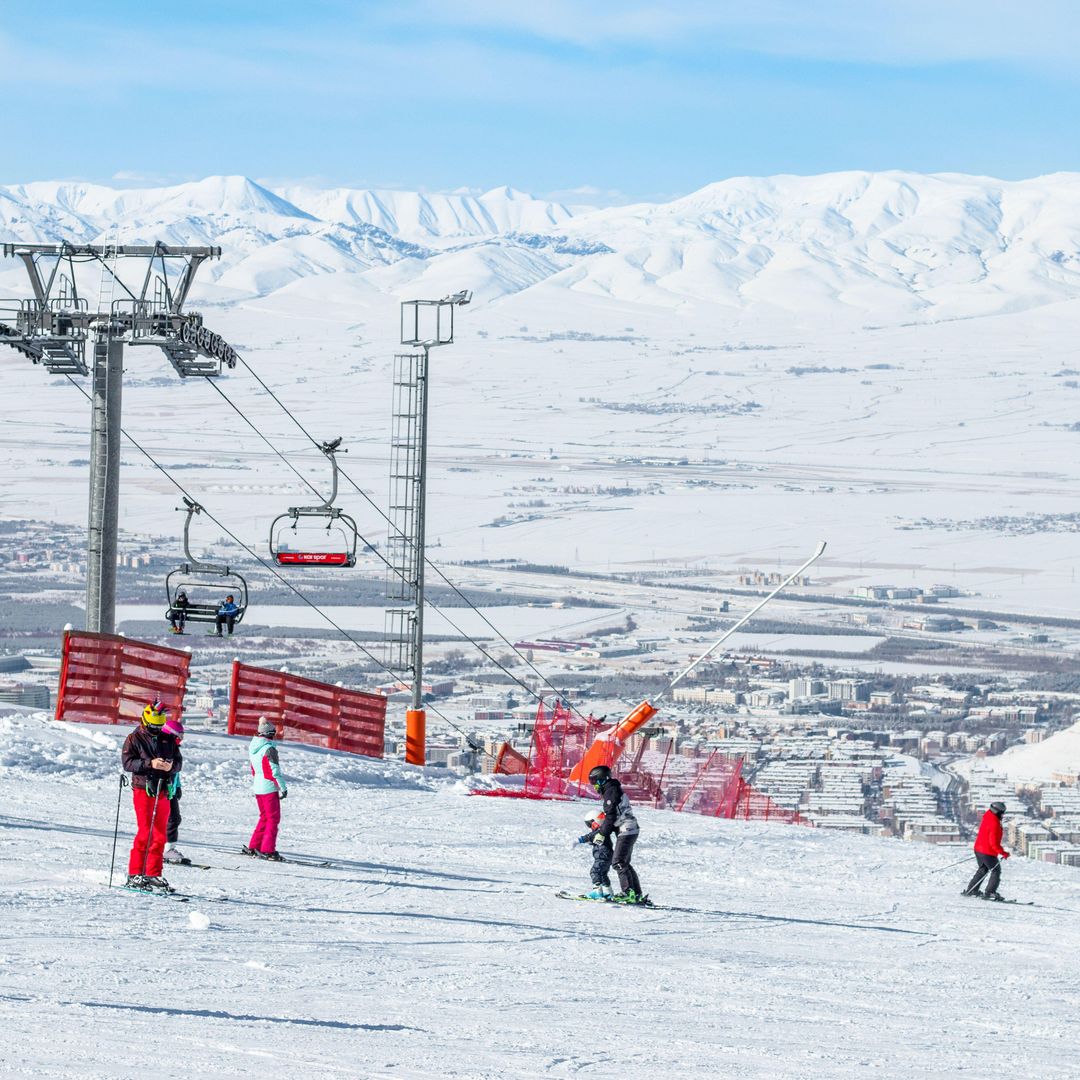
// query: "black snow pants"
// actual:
[[988, 864], [606, 858], [174, 819]]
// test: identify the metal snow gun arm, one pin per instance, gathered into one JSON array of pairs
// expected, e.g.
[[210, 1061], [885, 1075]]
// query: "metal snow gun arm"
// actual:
[[607, 748]]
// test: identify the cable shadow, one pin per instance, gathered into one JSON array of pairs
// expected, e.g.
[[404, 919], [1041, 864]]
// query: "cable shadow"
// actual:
[[792, 920], [416, 915], [220, 1014]]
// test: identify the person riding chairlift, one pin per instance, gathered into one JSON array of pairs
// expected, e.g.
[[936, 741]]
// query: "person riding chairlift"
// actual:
[[178, 612], [226, 614]]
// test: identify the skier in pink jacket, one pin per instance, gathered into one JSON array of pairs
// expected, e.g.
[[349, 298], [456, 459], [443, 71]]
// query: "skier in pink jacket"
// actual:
[[270, 789]]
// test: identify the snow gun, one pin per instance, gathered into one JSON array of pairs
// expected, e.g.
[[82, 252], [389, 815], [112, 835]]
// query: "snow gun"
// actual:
[[607, 747]]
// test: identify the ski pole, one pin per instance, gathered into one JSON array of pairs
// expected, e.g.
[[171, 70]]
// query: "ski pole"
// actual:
[[150, 836], [966, 858], [116, 827]]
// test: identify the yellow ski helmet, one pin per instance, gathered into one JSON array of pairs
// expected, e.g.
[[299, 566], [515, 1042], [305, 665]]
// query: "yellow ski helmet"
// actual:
[[153, 715]]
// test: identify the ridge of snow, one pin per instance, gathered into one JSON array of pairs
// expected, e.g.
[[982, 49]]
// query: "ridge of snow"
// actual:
[[893, 246]]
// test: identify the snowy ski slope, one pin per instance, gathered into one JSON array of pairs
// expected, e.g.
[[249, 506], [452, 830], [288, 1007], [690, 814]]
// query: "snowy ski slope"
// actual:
[[435, 945]]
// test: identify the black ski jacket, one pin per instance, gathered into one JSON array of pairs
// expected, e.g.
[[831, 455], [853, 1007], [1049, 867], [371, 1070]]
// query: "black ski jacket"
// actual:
[[618, 816], [141, 747]]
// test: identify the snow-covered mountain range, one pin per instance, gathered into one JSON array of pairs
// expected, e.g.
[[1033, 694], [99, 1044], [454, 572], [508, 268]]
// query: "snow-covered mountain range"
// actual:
[[882, 247]]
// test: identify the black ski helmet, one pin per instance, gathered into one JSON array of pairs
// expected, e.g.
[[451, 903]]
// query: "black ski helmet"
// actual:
[[998, 808], [599, 775]]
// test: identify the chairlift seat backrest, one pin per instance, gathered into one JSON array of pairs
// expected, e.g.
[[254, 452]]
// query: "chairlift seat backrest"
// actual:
[[196, 582]]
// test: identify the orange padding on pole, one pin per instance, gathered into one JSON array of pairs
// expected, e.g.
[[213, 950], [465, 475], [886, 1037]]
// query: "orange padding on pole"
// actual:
[[606, 749], [415, 737]]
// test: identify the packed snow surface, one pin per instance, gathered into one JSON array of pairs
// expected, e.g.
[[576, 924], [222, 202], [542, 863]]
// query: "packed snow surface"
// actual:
[[435, 945]]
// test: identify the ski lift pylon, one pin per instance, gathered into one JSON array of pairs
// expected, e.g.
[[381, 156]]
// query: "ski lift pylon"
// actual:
[[336, 548]]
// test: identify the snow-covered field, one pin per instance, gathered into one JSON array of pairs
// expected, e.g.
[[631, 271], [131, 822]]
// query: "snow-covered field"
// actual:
[[435, 945], [883, 360]]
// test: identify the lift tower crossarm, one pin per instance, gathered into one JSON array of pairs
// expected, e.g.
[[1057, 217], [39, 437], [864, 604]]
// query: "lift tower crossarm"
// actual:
[[97, 250]]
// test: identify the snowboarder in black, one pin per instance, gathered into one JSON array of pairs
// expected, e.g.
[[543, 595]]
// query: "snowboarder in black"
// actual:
[[616, 818]]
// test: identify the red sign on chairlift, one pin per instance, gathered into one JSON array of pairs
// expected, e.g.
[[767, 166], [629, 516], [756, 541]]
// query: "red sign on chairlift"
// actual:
[[312, 558]]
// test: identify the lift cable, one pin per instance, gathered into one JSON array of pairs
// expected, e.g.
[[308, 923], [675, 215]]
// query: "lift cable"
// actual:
[[427, 562], [288, 584], [243, 416], [435, 607]]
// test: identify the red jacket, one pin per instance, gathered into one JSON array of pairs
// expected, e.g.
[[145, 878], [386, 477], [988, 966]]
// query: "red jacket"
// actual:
[[988, 842]]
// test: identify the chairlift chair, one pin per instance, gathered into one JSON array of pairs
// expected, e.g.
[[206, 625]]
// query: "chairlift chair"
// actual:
[[205, 584], [336, 546]]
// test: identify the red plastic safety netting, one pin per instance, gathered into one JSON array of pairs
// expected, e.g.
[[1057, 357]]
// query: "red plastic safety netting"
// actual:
[[110, 679], [651, 771], [307, 711], [559, 740]]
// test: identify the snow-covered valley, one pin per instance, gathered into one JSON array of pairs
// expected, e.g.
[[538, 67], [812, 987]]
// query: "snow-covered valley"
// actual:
[[435, 945], [886, 360]]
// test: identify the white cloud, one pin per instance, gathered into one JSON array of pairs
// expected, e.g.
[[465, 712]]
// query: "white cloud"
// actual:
[[150, 179], [870, 31]]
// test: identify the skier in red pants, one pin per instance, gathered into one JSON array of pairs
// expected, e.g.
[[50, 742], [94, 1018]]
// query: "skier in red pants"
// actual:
[[151, 756], [269, 786], [989, 853]]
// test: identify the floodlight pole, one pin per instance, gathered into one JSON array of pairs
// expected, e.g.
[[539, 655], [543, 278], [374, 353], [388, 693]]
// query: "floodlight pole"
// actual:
[[421, 537], [425, 324]]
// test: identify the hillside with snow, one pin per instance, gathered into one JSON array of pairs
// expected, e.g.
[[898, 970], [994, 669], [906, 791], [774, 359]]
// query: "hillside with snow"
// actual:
[[434, 944], [1038, 762]]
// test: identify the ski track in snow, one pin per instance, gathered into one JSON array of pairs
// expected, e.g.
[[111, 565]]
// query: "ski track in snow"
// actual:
[[435, 945]]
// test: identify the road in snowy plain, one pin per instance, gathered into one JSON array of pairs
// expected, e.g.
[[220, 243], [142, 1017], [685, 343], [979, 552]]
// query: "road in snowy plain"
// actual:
[[435, 946]]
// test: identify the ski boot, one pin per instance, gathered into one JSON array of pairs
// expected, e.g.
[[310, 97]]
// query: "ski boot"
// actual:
[[994, 896], [630, 897], [174, 855], [157, 884], [245, 850], [270, 856], [135, 881], [599, 892], [974, 894]]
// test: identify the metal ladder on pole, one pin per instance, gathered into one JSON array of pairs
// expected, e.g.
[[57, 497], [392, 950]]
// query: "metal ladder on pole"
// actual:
[[402, 554]]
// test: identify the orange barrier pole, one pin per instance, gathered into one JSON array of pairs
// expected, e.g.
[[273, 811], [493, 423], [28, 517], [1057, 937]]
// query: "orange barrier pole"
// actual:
[[63, 675], [234, 688], [607, 748], [415, 737]]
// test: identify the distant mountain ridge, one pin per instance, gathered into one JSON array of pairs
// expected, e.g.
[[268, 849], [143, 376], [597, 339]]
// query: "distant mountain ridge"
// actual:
[[888, 246]]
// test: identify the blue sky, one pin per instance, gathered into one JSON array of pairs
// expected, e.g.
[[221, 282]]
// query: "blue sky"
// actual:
[[624, 100]]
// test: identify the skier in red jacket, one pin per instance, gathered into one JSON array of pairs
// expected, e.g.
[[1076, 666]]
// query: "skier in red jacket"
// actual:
[[989, 853]]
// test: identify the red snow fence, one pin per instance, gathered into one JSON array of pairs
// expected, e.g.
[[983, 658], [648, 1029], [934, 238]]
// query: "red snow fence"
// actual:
[[650, 771], [559, 742], [307, 711], [109, 679]]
